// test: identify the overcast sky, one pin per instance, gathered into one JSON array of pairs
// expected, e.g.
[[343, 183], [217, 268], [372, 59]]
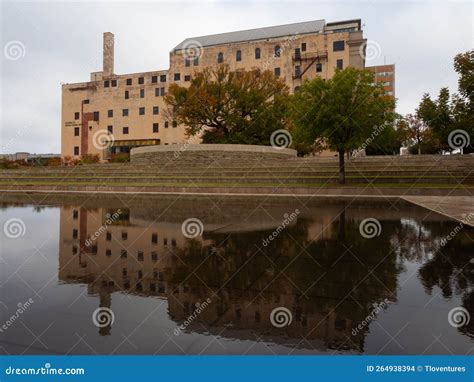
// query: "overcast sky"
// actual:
[[63, 44]]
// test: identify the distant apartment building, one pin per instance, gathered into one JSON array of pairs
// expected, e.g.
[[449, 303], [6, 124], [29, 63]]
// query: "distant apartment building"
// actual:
[[113, 113], [385, 75]]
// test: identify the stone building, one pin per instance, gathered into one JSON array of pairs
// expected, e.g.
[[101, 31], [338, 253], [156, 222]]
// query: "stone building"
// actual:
[[113, 113]]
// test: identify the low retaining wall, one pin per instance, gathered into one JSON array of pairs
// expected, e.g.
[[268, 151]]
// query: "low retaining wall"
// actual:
[[208, 153]]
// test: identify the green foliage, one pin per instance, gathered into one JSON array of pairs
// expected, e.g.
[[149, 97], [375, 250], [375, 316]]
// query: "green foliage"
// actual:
[[230, 107], [120, 158], [90, 158]]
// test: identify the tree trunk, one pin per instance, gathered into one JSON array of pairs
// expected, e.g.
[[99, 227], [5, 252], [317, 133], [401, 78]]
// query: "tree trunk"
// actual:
[[419, 149], [342, 171]]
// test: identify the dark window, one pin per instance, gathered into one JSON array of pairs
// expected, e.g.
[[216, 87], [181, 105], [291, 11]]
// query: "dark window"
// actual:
[[297, 88], [156, 127], [297, 54], [337, 46], [76, 131], [140, 256], [154, 79], [114, 83], [129, 81], [141, 111], [124, 235], [187, 62], [187, 78], [154, 238], [74, 250], [86, 102], [277, 71], [110, 113], [124, 112], [141, 80], [166, 124], [110, 129], [297, 71], [173, 242], [177, 77], [196, 61], [154, 257], [74, 233], [174, 124], [96, 116], [108, 252], [142, 93], [108, 236], [77, 115], [162, 91], [106, 84], [165, 241], [303, 47], [125, 130], [220, 58], [157, 92], [156, 110], [257, 53], [319, 67], [277, 51], [75, 214], [124, 272], [340, 64], [238, 56], [127, 95], [163, 78], [123, 254], [76, 150]]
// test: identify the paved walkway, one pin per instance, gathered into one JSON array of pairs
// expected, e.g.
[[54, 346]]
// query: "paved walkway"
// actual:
[[460, 208]]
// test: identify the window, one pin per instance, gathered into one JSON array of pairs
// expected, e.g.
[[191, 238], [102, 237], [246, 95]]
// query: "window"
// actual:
[[303, 47], [187, 62], [140, 255], [297, 71], [141, 80], [156, 127], [77, 115], [297, 54], [338, 46], [174, 124], [123, 254], [124, 112], [96, 116], [110, 113], [297, 88], [124, 235], [220, 58], [340, 64], [114, 83], [157, 92], [127, 95], [177, 77], [187, 78], [124, 272], [142, 93], [86, 102], [125, 130], [238, 56], [162, 91], [108, 252], [257, 53], [163, 78], [110, 129], [141, 111], [277, 51], [75, 214], [74, 250], [319, 67], [129, 81], [196, 61], [154, 79], [108, 236], [154, 238], [76, 150], [76, 131], [166, 124], [154, 257], [106, 84], [74, 233], [277, 72], [156, 110]]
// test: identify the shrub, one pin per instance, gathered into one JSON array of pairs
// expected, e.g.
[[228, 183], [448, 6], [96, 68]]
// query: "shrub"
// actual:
[[90, 158], [54, 162], [120, 158]]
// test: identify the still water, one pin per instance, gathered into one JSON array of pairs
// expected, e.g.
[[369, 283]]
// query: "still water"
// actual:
[[116, 276]]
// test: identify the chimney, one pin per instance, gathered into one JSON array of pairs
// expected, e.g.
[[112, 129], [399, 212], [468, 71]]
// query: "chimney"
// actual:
[[108, 67]]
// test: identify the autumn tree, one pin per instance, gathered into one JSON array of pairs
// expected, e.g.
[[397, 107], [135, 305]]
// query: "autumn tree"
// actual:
[[344, 111], [230, 107]]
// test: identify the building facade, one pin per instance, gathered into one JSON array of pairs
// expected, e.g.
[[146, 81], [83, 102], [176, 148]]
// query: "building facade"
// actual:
[[385, 75], [113, 113]]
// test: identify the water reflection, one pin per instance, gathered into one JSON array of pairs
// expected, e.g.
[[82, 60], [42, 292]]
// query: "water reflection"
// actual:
[[319, 267]]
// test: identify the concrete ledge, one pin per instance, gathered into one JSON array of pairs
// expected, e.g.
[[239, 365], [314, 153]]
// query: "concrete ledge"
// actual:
[[205, 153]]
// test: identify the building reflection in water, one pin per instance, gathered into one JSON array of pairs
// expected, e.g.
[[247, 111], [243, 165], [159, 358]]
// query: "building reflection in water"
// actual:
[[319, 267]]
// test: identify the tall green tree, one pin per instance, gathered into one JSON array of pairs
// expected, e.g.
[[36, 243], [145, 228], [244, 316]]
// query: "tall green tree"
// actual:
[[343, 111], [230, 107]]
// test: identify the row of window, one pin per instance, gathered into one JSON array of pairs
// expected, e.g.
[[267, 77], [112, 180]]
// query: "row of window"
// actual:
[[125, 130], [129, 81], [124, 235], [158, 92]]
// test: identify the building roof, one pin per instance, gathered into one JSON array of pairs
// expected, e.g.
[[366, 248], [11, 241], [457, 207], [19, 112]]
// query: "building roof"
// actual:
[[255, 34]]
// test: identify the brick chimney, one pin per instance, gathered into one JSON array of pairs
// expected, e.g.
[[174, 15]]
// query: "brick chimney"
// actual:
[[108, 66]]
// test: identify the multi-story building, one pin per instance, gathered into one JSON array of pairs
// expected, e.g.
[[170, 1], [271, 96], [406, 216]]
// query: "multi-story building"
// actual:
[[385, 75], [113, 113]]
